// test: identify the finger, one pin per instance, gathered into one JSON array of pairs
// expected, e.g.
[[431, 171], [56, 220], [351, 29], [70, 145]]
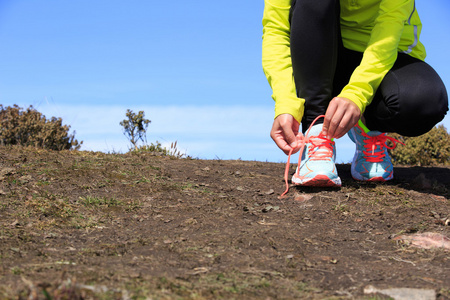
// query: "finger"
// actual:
[[349, 120], [290, 137], [343, 127], [284, 147], [284, 131], [335, 122], [279, 140], [278, 136], [328, 117]]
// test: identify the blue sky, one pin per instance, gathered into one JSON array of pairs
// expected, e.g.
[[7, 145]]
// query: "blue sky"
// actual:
[[194, 67]]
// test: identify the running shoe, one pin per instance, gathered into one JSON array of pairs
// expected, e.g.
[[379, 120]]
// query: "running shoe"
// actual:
[[317, 166], [371, 161]]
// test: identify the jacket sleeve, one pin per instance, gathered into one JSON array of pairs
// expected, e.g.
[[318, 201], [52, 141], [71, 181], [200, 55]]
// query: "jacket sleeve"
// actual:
[[276, 58], [381, 52]]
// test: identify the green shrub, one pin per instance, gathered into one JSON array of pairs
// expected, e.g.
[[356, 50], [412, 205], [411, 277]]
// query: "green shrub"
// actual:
[[135, 127], [30, 128], [432, 148], [160, 150], [155, 148]]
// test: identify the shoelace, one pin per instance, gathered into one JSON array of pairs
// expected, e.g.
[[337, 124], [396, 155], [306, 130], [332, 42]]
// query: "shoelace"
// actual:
[[372, 142], [324, 151]]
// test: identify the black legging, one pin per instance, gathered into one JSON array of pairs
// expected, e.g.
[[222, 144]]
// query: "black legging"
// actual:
[[410, 100]]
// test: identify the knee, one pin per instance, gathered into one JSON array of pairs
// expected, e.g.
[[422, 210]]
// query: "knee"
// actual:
[[409, 105], [423, 106]]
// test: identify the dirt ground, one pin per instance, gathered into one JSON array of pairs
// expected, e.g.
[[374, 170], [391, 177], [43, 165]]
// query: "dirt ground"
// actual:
[[85, 225]]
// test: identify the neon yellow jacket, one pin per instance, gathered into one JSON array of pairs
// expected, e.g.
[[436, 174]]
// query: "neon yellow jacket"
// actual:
[[379, 28]]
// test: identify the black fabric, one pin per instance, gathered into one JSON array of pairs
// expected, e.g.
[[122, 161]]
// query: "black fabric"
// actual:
[[315, 34], [410, 100]]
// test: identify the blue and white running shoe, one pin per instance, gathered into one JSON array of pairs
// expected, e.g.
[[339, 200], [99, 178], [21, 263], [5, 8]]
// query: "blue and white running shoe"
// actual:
[[371, 161]]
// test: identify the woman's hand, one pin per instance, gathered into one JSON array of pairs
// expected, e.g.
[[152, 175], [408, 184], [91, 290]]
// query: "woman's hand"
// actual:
[[284, 133], [342, 114]]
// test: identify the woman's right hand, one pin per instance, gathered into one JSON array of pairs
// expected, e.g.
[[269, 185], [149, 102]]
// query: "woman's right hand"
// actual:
[[342, 114], [284, 133]]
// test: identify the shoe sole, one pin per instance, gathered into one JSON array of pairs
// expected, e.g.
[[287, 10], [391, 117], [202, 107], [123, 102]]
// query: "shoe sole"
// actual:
[[317, 181], [374, 179]]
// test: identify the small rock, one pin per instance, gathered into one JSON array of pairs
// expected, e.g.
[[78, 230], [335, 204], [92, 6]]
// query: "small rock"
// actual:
[[302, 197], [25, 178], [199, 270], [50, 235], [191, 221], [267, 208], [15, 224], [427, 240], [270, 192], [439, 198], [403, 293], [7, 171], [263, 222]]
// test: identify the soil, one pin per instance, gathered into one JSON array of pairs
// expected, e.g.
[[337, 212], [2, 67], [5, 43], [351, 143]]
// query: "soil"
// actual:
[[90, 225]]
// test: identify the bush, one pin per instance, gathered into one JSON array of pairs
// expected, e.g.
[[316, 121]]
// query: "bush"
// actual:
[[432, 148], [30, 128], [160, 150], [135, 127]]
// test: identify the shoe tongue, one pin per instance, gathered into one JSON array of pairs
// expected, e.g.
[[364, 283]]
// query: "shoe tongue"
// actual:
[[374, 133], [315, 130]]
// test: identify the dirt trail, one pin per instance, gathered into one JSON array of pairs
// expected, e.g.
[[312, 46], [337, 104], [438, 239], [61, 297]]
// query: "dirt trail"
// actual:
[[95, 225]]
